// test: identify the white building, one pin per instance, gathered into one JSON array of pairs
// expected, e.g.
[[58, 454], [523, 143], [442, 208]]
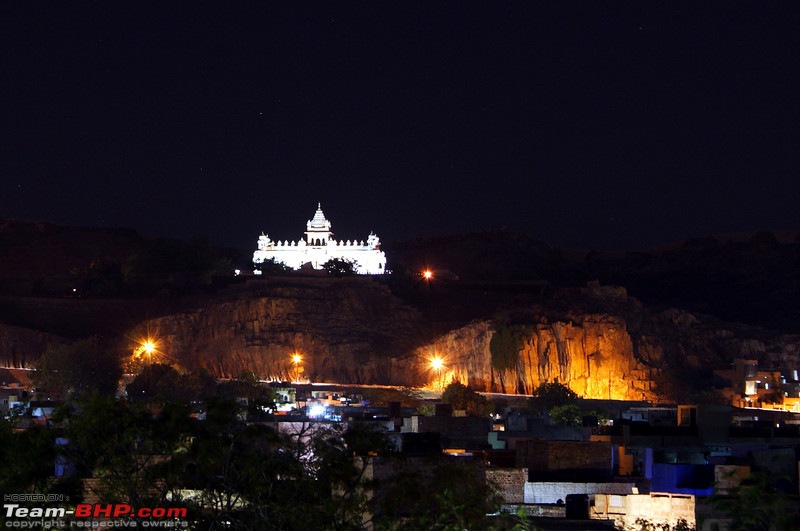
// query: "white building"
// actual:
[[319, 247]]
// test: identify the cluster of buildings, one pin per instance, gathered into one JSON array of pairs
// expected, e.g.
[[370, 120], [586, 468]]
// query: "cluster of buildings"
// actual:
[[748, 385], [15, 389], [667, 465]]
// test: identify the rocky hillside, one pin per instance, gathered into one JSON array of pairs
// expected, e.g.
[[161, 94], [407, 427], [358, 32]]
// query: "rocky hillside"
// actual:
[[355, 331], [648, 356], [503, 311], [346, 330]]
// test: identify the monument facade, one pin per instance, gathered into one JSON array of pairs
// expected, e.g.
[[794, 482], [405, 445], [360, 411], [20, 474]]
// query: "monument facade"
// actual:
[[319, 246]]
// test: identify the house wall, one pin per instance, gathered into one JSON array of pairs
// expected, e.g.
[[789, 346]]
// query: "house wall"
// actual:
[[552, 491], [656, 508], [548, 456]]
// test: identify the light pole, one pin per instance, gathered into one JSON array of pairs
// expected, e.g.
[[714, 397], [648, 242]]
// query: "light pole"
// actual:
[[437, 364], [149, 347], [297, 359]]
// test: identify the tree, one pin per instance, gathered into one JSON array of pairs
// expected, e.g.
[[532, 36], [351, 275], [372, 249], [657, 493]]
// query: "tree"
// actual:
[[340, 267], [567, 415], [272, 266], [27, 462], [26, 458], [128, 447], [448, 495], [462, 397], [343, 462], [158, 381], [250, 478], [757, 505], [79, 369], [260, 397], [551, 394]]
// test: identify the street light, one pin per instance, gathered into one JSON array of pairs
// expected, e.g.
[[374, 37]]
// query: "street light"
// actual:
[[149, 347], [427, 274], [297, 359], [437, 364]]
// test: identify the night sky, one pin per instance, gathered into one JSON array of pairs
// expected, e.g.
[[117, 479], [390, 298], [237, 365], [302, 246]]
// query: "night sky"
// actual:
[[601, 125]]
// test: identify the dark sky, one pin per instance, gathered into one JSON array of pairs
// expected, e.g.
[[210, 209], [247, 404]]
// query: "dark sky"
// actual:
[[601, 125]]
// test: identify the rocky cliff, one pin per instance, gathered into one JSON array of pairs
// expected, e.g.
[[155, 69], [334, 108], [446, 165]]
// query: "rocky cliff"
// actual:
[[661, 355], [21, 347], [346, 330], [356, 331]]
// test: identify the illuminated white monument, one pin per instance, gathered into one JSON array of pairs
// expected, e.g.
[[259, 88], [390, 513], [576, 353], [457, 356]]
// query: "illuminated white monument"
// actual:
[[319, 247]]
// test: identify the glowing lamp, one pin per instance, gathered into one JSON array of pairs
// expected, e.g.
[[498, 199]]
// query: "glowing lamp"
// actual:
[[427, 274]]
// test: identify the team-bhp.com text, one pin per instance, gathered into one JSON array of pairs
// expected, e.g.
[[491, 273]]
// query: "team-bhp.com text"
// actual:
[[93, 515]]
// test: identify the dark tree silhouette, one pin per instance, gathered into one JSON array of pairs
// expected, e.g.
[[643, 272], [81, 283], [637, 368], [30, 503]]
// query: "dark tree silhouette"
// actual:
[[79, 368], [551, 394], [340, 267], [462, 397]]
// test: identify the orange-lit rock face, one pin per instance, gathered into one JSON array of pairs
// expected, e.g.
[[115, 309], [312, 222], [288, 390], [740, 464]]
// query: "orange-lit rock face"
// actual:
[[356, 331], [594, 357], [344, 330]]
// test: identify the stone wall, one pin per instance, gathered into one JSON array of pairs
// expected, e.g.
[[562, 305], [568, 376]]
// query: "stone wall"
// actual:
[[510, 483]]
